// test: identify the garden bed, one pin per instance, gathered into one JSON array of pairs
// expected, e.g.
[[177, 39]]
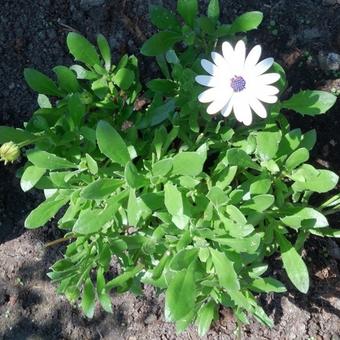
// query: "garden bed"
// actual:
[[33, 35]]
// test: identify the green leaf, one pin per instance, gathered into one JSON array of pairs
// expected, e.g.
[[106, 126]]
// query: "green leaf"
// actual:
[[297, 158], [241, 158], [111, 144], [217, 196], [308, 178], [31, 177], [183, 259], [311, 103], [259, 203], [326, 232], [290, 142], [163, 18], [124, 78], [133, 178], [267, 144], [308, 140], [236, 215], [173, 199], [181, 294], [294, 265], [76, 108], [91, 164], [306, 218], [93, 220], [101, 188], [45, 160], [325, 181], [103, 296], [157, 115], [67, 79], [82, 49], [160, 43], [267, 285], [105, 51], [188, 163], [205, 316], [9, 134], [44, 212], [134, 212], [224, 270], [38, 82], [166, 86], [246, 22], [226, 177], [247, 245], [261, 186], [43, 101], [214, 9], [188, 9], [122, 278], [88, 301], [162, 167]]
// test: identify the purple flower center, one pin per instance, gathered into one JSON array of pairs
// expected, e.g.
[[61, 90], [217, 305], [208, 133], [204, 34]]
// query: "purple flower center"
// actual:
[[238, 84]]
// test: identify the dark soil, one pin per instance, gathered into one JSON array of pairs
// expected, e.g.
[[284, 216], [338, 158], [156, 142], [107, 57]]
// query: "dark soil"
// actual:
[[32, 34]]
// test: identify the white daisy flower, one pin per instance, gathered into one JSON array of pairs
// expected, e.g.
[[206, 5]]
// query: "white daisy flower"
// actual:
[[237, 82]]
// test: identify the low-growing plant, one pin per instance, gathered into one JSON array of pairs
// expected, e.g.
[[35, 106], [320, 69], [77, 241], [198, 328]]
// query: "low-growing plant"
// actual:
[[191, 204]]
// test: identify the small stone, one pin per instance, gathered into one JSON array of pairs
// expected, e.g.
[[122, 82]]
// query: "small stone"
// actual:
[[311, 33], [330, 61], [88, 4], [150, 319]]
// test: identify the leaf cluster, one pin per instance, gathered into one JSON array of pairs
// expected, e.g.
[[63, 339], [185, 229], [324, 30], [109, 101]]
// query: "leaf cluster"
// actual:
[[192, 205]]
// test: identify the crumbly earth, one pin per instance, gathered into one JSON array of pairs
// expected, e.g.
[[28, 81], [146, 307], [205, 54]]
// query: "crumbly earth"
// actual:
[[299, 34]]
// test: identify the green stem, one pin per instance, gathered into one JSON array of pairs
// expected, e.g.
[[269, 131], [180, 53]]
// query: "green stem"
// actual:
[[30, 141], [331, 211]]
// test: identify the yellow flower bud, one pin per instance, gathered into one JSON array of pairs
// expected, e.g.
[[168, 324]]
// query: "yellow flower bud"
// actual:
[[9, 152]]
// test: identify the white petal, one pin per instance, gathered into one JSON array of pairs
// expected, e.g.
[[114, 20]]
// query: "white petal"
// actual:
[[226, 111], [209, 67], [253, 57], [263, 66], [240, 51], [208, 81], [218, 59], [258, 107], [209, 95], [242, 110], [219, 103], [239, 56], [267, 90], [268, 78], [267, 99], [228, 51]]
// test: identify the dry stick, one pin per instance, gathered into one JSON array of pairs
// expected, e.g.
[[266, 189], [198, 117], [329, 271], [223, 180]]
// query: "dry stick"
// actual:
[[59, 240], [133, 28]]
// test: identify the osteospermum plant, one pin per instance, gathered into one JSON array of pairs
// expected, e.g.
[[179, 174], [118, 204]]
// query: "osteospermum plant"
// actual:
[[148, 183]]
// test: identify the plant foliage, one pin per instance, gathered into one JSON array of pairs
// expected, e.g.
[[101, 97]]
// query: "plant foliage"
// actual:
[[192, 205]]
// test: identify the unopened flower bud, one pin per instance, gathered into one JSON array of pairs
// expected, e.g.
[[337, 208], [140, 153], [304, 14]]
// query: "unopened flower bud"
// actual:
[[9, 152]]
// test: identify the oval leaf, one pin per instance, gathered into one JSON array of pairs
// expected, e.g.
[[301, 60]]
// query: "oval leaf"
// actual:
[[45, 160], [294, 265], [40, 83], [160, 43], [111, 144], [311, 103], [224, 270], [82, 49]]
